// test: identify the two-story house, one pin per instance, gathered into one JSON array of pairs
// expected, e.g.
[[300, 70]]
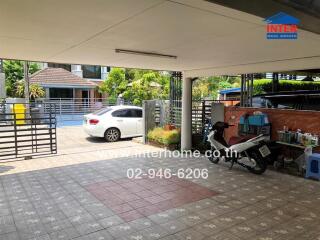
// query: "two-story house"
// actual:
[[67, 81]]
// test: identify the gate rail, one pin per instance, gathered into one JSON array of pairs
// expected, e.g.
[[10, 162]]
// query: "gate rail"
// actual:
[[70, 109], [26, 132]]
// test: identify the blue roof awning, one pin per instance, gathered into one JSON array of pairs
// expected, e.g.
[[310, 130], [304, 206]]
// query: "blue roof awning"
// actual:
[[230, 90]]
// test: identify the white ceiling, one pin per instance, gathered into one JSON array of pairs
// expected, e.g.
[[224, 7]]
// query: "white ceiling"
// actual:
[[206, 38]]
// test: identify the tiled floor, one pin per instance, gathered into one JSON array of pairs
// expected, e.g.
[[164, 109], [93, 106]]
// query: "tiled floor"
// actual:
[[132, 199], [77, 196]]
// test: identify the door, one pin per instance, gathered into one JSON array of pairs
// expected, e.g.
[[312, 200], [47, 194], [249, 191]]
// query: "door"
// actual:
[[125, 121], [85, 96]]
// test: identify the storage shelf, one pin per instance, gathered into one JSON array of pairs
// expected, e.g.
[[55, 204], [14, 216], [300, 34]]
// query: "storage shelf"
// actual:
[[295, 145]]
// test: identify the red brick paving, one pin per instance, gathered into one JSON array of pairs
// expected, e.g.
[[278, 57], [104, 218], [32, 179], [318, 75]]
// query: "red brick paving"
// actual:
[[131, 199]]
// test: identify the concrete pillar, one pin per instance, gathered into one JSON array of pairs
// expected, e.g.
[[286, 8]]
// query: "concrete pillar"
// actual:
[[2, 85], [77, 70], [47, 93], [186, 120], [78, 95], [91, 95]]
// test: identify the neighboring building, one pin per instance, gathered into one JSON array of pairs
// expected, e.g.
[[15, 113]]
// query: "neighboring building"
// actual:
[[230, 96], [60, 83], [70, 81]]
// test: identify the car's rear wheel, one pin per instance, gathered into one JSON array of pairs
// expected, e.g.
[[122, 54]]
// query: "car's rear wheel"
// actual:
[[112, 135]]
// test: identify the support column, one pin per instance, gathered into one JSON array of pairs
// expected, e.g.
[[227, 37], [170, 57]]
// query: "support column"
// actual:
[[91, 96], [2, 81], [251, 89], [242, 90], [275, 82], [186, 120], [47, 93]]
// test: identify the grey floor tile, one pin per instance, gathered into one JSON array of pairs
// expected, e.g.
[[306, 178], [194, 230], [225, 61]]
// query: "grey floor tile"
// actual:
[[65, 234], [110, 221]]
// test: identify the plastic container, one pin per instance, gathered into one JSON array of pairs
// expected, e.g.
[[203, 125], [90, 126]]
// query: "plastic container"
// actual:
[[281, 136], [255, 120], [20, 113]]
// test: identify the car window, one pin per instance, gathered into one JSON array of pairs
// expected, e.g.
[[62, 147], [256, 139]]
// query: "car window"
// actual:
[[122, 113], [102, 111], [136, 113], [128, 113]]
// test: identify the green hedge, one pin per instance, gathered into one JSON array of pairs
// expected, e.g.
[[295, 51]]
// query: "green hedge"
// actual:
[[265, 85], [165, 137]]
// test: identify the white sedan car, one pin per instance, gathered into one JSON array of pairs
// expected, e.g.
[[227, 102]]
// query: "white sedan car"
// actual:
[[113, 123]]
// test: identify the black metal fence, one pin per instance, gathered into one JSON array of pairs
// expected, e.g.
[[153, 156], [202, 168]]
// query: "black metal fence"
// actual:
[[26, 131], [73, 109], [175, 98], [201, 110]]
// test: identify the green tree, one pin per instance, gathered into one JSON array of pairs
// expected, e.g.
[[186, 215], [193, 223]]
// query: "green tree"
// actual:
[[115, 84], [35, 90], [208, 87], [141, 89], [146, 85], [136, 85], [164, 81], [201, 89], [13, 70]]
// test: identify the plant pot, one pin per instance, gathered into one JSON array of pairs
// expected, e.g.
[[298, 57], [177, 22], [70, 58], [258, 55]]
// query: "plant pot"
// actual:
[[169, 127], [170, 147]]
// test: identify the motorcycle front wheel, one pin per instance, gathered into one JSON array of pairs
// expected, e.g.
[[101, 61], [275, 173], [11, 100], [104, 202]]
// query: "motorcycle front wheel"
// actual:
[[261, 164]]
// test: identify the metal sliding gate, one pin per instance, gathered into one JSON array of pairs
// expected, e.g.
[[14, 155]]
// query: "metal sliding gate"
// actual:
[[26, 131]]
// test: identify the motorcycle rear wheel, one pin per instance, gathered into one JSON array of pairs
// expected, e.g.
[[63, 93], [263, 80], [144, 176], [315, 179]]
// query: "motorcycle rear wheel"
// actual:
[[212, 158], [261, 164]]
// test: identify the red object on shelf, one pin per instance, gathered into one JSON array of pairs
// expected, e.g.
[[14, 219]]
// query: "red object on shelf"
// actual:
[[169, 127]]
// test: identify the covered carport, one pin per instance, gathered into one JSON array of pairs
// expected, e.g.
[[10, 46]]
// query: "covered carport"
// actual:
[[85, 192], [199, 38]]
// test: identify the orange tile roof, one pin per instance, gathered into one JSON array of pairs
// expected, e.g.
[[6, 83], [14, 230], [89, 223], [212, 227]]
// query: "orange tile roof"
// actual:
[[59, 77]]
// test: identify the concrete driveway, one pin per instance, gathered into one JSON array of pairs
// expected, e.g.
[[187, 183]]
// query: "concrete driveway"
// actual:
[[84, 193]]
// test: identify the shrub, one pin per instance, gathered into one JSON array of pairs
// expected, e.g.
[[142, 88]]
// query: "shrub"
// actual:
[[265, 85], [166, 137]]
